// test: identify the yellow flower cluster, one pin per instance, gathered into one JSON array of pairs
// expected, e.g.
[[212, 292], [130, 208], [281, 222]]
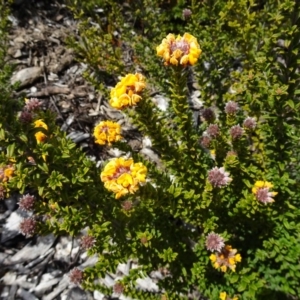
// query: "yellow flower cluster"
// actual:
[[183, 50], [261, 190], [127, 91], [227, 258], [122, 176], [107, 132], [223, 296], [40, 136], [6, 173]]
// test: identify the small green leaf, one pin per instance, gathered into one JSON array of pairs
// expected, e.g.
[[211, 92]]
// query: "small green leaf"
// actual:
[[43, 167], [10, 150], [23, 138], [234, 278], [290, 103]]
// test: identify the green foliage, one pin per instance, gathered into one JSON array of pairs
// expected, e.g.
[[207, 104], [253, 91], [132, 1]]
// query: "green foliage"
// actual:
[[250, 56]]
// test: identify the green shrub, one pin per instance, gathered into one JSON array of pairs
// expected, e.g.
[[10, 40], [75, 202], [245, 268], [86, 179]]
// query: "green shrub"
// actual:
[[233, 179]]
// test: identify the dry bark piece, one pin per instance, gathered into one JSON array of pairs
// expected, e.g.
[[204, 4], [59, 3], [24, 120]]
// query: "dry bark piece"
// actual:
[[50, 90], [27, 76], [64, 62]]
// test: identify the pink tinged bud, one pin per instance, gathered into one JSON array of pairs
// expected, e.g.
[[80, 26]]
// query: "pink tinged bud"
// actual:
[[218, 177], [76, 276], [236, 132], [231, 108], [26, 117], [231, 153], [249, 123], [205, 141], [87, 242], [264, 195], [118, 288], [33, 104], [214, 242], [28, 227], [208, 115], [27, 202], [144, 240], [186, 13], [127, 205], [213, 130]]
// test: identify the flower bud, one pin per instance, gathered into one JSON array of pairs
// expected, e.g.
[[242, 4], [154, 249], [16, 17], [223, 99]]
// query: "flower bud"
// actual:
[[205, 141], [213, 130], [208, 115], [27, 202], [214, 242], [186, 13], [236, 132], [231, 108], [87, 242], [218, 177], [76, 276], [28, 227], [249, 123], [118, 288]]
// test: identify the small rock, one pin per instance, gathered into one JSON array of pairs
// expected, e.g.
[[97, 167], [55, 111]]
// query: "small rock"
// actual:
[[29, 252], [108, 281], [53, 77], [63, 284], [91, 261], [98, 296], [12, 292], [11, 202], [4, 293], [67, 123], [17, 54], [124, 268], [12, 225], [19, 40], [47, 282], [77, 136], [25, 295], [9, 278], [115, 152], [77, 293], [66, 249], [122, 297], [146, 142], [12, 19], [147, 284], [161, 102], [23, 281], [33, 89]]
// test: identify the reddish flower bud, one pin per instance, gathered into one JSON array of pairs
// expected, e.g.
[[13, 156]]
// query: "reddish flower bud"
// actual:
[[231, 107], [214, 242], [76, 276], [213, 130], [28, 227], [26, 117], [32, 104], [118, 288], [186, 13], [208, 115], [205, 141], [127, 205], [218, 177], [27, 202], [236, 132], [249, 123], [87, 242]]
